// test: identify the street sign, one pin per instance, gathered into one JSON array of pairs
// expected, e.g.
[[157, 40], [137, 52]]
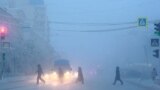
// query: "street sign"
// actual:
[[157, 26], [5, 44], [155, 42], [142, 22], [156, 53]]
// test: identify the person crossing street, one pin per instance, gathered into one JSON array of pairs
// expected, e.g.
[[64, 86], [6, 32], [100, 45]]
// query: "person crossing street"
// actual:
[[118, 76], [40, 73]]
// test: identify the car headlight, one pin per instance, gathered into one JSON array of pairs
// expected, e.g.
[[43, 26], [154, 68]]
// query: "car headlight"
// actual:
[[54, 75], [67, 75], [46, 76]]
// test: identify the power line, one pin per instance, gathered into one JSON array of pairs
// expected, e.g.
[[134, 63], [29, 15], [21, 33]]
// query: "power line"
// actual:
[[91, 23], [104, 30], [98, 24]]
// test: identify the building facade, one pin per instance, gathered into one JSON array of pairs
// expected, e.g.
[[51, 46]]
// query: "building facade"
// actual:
[[9, 43], [32, 46]]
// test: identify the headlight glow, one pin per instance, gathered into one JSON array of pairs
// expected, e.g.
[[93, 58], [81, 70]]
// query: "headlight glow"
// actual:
[[76, 74], [68, 77], [54, 75]]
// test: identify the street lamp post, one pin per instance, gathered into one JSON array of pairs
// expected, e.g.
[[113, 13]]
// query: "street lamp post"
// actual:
[[3, 32]]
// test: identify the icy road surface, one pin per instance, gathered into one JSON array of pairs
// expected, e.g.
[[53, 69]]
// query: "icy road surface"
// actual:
[[91, 83]]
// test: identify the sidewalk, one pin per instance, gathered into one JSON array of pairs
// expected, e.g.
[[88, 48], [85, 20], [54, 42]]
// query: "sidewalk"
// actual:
[[16, 79], [149, 84]]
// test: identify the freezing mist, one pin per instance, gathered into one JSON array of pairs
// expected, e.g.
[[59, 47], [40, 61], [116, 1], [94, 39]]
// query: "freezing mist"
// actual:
[[125, 48], [79, 45]]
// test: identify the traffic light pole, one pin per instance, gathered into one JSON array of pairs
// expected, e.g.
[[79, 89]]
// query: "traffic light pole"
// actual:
[[157, 51], [3, 61], [3, 32]]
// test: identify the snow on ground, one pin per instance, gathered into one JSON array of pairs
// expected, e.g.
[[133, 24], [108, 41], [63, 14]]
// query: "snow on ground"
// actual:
[[148, 84], [93, 83]]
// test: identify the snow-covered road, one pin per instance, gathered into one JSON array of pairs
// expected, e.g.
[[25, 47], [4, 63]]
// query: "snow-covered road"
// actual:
[[90, 84]]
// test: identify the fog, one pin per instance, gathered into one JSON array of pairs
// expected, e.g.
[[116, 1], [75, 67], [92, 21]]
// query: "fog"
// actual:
[[95, 36], [109, 49]]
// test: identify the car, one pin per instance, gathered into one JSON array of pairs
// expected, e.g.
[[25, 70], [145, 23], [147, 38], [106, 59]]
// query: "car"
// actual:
[[62, 73], [62, 64]]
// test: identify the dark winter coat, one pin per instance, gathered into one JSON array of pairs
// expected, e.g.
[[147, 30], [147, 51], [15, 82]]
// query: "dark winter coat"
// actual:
[[118, 77], [80, 74], [39, 71]]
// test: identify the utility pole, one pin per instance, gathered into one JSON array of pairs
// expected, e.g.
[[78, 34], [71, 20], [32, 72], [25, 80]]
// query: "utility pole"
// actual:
[[3, 64]]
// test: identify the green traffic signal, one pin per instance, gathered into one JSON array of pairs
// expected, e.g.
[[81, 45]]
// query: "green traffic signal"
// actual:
[[158, 33]]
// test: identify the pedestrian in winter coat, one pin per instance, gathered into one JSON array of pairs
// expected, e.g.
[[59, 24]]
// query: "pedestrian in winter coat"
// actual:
[[154, 74], [40, 73], [80, 75], [118, 76]]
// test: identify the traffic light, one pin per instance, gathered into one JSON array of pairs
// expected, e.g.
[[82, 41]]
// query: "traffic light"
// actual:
[[3, 32], [156, 53], [157, 28]]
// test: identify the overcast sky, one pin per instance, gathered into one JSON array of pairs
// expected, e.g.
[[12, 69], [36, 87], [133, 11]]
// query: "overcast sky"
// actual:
[[114, 47]]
